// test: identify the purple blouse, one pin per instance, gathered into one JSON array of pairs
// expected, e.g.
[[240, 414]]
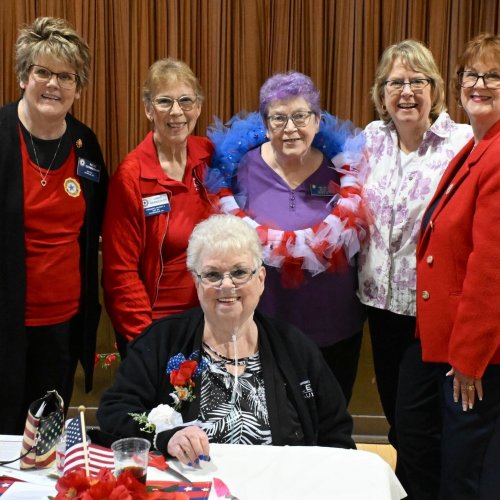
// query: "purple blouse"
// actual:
[[325, 306]]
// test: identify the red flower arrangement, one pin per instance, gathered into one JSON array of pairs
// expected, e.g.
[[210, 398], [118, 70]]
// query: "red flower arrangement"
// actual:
[[106, 359], [77, 486]]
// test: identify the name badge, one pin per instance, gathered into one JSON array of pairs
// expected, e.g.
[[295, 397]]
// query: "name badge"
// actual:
[[316, 190], [156, 204], [88, 170]]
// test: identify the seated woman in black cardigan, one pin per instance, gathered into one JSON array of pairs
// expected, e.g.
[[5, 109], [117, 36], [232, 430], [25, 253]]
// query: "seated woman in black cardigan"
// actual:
[[225, 373]]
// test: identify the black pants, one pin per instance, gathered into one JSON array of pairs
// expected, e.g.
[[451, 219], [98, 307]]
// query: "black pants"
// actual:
[[343, 358], [52, 357], [446, 453], [390, 334]]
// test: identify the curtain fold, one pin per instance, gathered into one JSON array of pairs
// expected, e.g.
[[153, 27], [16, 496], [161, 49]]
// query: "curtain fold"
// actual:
[[234, 45]]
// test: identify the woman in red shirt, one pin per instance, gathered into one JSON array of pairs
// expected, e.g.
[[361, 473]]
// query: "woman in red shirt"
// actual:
[[156, 198], [52, 189]]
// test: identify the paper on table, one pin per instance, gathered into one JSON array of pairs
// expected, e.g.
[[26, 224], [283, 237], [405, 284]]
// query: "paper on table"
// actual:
[[10, 447], [26, 491]]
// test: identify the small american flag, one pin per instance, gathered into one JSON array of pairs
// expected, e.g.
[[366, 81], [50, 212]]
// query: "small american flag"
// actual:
[[99, 456]]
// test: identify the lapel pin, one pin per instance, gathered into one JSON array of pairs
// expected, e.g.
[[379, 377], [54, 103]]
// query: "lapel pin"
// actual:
[[79, 143]]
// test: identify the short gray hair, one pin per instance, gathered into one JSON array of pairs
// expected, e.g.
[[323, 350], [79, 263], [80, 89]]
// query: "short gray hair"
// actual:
[[223, 234]]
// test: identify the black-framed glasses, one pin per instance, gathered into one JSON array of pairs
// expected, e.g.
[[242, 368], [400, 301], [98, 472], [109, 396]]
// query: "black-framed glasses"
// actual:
[[239, 276], [300, 119], [468, 79], [415, 84], [66, 80], [165, 103]]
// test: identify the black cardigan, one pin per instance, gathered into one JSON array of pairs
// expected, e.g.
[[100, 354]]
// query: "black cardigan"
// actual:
[[12, 262], [293, 369]]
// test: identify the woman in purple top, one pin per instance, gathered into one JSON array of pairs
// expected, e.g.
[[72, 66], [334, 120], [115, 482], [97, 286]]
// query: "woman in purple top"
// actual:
[[305, 208]]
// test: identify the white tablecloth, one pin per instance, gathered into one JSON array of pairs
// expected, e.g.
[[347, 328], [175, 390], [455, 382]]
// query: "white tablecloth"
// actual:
[[271, 473]]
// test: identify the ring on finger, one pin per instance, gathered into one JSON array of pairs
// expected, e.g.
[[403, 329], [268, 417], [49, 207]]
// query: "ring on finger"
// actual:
[[470, 387]]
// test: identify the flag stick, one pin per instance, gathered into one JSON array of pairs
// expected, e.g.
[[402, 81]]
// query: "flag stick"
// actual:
[[81, 410]]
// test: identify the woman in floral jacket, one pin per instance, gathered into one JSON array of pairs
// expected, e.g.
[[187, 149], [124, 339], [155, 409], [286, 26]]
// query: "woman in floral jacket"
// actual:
[[408, 150]]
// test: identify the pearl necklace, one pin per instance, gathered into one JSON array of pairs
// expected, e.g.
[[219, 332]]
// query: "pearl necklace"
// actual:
[[43, 178]]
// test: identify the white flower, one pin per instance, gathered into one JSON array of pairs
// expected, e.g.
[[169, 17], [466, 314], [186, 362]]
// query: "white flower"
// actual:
[[164, 417]]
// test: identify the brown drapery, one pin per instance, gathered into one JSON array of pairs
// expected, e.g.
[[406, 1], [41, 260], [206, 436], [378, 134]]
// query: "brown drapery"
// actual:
[[234, 45]]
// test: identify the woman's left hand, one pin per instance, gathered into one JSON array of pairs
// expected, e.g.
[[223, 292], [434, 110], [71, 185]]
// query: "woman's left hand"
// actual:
[[189, 445], [466, 387]]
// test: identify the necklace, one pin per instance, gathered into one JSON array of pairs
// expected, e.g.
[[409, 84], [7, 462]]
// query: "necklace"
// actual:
[[228, 361], [43, 178]]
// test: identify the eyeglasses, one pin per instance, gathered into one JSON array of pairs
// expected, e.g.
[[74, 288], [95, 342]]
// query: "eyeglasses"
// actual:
[[66, 80], [469, 79], [238, 276], [417, 84], [300, 119], [185, 102]]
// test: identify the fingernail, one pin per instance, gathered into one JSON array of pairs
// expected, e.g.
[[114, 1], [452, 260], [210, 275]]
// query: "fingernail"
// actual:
[[455, 399], [190, 464], [201, 457], [197, 461]]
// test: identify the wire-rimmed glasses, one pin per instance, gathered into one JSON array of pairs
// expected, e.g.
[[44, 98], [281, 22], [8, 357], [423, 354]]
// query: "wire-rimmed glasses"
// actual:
[[65, 79], [468, 79], [415, 84], [239, 276], [165, 103]]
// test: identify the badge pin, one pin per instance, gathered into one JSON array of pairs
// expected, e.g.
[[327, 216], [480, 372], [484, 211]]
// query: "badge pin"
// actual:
[[72, 187], [79, 143]]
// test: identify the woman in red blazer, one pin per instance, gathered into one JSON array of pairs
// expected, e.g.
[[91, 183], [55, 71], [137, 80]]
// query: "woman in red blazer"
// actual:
[[448, 409]]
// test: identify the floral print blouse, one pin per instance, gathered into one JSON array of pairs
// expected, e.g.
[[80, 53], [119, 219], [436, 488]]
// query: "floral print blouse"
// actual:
[[397, 189]]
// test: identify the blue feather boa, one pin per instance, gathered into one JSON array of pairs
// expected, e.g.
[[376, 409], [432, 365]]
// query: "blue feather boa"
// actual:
[[245, 132]]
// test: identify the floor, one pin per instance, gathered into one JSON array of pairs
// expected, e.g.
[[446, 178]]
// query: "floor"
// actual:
[[386, 451]]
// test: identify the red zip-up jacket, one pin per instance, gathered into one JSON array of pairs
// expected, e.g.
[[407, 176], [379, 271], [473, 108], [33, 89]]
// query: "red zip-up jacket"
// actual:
[[132, 243]]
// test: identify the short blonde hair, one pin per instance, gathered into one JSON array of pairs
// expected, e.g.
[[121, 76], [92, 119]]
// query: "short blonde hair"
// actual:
[[418, 58], [56, 38], [167, 71], [223, 234]]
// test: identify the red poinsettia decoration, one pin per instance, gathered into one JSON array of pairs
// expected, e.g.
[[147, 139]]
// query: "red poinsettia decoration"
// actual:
[[76, 485]]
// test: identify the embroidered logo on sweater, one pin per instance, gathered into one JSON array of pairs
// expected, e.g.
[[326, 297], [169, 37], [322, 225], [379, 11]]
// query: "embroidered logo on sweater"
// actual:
[[307, 390]]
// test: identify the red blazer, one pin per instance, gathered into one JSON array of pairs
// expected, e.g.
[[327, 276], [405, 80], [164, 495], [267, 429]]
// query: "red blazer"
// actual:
[[458, 262]]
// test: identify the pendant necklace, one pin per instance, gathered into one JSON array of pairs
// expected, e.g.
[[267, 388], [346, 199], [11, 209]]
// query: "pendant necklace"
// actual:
[[43, 178]]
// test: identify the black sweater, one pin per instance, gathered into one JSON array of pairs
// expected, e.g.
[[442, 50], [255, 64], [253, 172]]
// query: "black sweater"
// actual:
[[13, 265], [293, 368]]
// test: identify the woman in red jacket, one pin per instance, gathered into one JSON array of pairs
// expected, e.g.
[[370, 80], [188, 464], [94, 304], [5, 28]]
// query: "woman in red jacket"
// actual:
[[156, 198], [449, 394]]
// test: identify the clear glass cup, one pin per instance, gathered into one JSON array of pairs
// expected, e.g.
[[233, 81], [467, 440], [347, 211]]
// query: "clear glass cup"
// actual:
[[132, 454]]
